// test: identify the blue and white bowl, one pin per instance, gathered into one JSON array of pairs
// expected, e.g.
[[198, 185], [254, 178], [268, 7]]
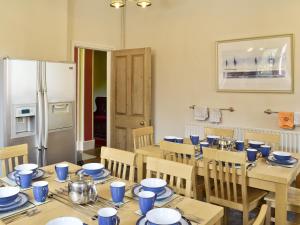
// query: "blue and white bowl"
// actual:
[[163, 216], [282, 156], [8, 194], [255, 144], [170, 138], [179, 140], [212, 139], [65, 221], [93, 169], [27, 166], [155, 185]]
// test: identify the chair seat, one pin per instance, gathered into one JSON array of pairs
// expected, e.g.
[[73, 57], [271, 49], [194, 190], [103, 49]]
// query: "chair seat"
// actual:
[[254, 196], [293, 197]]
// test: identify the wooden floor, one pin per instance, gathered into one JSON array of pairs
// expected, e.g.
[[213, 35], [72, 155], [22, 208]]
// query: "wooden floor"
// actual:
[[92, 155]]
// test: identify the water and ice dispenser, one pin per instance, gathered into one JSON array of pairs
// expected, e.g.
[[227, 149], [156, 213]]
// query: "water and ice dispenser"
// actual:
[[23, 121]]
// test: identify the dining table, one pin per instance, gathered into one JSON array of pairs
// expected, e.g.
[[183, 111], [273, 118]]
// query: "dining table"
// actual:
[[263, 176], [59, 205]]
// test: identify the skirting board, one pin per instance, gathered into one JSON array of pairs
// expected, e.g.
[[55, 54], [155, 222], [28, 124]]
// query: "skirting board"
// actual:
[[85, 145]]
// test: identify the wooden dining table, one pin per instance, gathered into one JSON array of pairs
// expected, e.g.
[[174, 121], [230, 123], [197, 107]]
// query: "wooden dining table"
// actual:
[[263, 176], [61, 206]]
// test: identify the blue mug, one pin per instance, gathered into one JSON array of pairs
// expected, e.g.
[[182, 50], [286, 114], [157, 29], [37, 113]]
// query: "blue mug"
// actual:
[[62, 171], [40, 191], [203, 144], [24, 178], [117, 190], [212, 139], [195, 139], [146, 201], [265, 150], [251, 154], [239, 145], [108, 216]]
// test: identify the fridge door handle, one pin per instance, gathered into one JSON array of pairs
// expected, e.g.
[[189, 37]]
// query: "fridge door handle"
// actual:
[[46, 121], [40, 120]]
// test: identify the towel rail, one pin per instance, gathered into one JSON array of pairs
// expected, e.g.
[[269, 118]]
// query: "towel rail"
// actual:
[[269, 112], [230, 109]]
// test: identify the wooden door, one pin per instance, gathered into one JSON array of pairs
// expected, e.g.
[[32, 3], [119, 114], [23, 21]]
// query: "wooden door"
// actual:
[[131, 94]]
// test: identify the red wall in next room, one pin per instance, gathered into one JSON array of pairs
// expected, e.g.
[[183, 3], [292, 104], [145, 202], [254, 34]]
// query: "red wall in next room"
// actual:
[[88, 95]]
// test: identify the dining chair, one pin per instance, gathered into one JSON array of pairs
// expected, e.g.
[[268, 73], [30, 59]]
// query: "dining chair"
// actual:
[[183, 153], [261, 218], [293, 205], [12, 156], [142, 137], [179, 176], [120, 163], [218, 132], [229, 182], [270, 139]]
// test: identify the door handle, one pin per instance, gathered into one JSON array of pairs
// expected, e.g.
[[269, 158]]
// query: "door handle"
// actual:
[[142, 123]]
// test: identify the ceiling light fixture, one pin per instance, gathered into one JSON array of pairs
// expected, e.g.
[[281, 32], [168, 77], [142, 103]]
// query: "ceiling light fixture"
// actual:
[[143, 3], [121, 3], [117, 3]]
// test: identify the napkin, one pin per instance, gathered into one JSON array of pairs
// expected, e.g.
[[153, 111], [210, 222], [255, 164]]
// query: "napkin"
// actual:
[[286, 120], [215, 115], [200, 113]]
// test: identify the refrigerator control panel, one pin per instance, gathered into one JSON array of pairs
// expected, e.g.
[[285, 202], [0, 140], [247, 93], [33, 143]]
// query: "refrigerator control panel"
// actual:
[[25, 111], [23, 121]]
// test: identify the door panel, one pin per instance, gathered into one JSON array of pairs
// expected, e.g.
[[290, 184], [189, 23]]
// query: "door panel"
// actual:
[[130, 94], [61, 81]]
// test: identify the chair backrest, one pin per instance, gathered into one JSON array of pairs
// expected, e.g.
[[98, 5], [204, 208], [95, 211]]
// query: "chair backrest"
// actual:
[[10, 157], [260, 219], [142, 137], [178, 175], [183, 153], [218, 132], [270, 139], [121, 163], [223, 167]]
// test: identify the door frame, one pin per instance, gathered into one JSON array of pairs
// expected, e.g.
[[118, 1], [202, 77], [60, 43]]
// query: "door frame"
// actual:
[[108, 50]]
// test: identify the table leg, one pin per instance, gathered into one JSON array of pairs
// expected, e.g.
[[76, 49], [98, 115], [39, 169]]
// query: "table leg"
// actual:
[[281, 204], [140, 167]]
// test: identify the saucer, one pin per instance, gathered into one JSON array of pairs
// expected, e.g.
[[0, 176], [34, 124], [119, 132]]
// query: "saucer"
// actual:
[[143, 221], [168, 192], [22, 200]]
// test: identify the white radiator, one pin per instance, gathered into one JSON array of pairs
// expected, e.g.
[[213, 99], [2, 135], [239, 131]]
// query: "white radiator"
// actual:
[[290, 141]]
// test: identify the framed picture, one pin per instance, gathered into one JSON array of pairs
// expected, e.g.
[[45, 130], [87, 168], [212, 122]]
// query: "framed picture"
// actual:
[[260, 64]]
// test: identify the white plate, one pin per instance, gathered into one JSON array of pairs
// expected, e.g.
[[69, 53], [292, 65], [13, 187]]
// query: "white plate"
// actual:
[[143, 220], [65, 221]]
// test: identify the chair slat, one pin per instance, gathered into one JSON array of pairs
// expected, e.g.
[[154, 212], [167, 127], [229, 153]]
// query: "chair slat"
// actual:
[[142, 137]]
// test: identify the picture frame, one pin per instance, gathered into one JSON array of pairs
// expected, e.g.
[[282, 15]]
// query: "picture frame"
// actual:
[[259, 64]]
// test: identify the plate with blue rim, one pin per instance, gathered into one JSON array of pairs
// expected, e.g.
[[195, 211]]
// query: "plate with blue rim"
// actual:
[[167, 193], [102, 175], [143, 221], [291, 161], [38, 174], [20, 201]]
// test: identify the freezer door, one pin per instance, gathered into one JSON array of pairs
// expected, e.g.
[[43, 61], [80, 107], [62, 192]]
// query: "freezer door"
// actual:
[[61, 82]]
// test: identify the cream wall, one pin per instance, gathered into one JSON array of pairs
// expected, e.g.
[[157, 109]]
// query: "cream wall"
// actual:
[[94, 22], [35, 29], [182, 35]]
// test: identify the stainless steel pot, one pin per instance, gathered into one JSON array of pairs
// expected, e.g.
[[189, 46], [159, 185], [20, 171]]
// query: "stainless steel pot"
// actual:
[[82, 191]]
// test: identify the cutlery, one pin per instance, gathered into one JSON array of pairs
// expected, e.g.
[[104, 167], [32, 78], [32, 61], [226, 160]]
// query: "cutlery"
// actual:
[[175, 201], [29, 213], [190, 217]]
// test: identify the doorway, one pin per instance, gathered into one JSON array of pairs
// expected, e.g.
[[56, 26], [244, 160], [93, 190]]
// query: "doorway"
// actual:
[[93, 77]]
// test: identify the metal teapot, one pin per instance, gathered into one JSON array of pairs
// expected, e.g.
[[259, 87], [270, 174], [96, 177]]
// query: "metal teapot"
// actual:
[[82, 191]]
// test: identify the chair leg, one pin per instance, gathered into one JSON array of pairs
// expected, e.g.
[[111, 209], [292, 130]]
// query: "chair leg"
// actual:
[[268, 215], [245, 217], [225, 218]]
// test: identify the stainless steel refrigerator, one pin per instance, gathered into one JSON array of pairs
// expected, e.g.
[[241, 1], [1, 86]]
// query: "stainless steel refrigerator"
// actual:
[[37, 107]]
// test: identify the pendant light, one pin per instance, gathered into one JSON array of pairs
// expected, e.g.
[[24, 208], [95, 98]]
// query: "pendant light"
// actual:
[[117, 3], [143, 3]]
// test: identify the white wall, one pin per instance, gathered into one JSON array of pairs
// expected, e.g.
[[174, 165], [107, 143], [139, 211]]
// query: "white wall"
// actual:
[[35, 29], [182, 35]]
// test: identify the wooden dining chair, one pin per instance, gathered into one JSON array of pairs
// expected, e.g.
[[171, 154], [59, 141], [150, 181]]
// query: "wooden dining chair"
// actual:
[[293, 205], [270, 139], [261, 218], [229, 187], [121, 163], [183, 153], [218, 132], [12, 156], [179, 176], [142, 137]]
